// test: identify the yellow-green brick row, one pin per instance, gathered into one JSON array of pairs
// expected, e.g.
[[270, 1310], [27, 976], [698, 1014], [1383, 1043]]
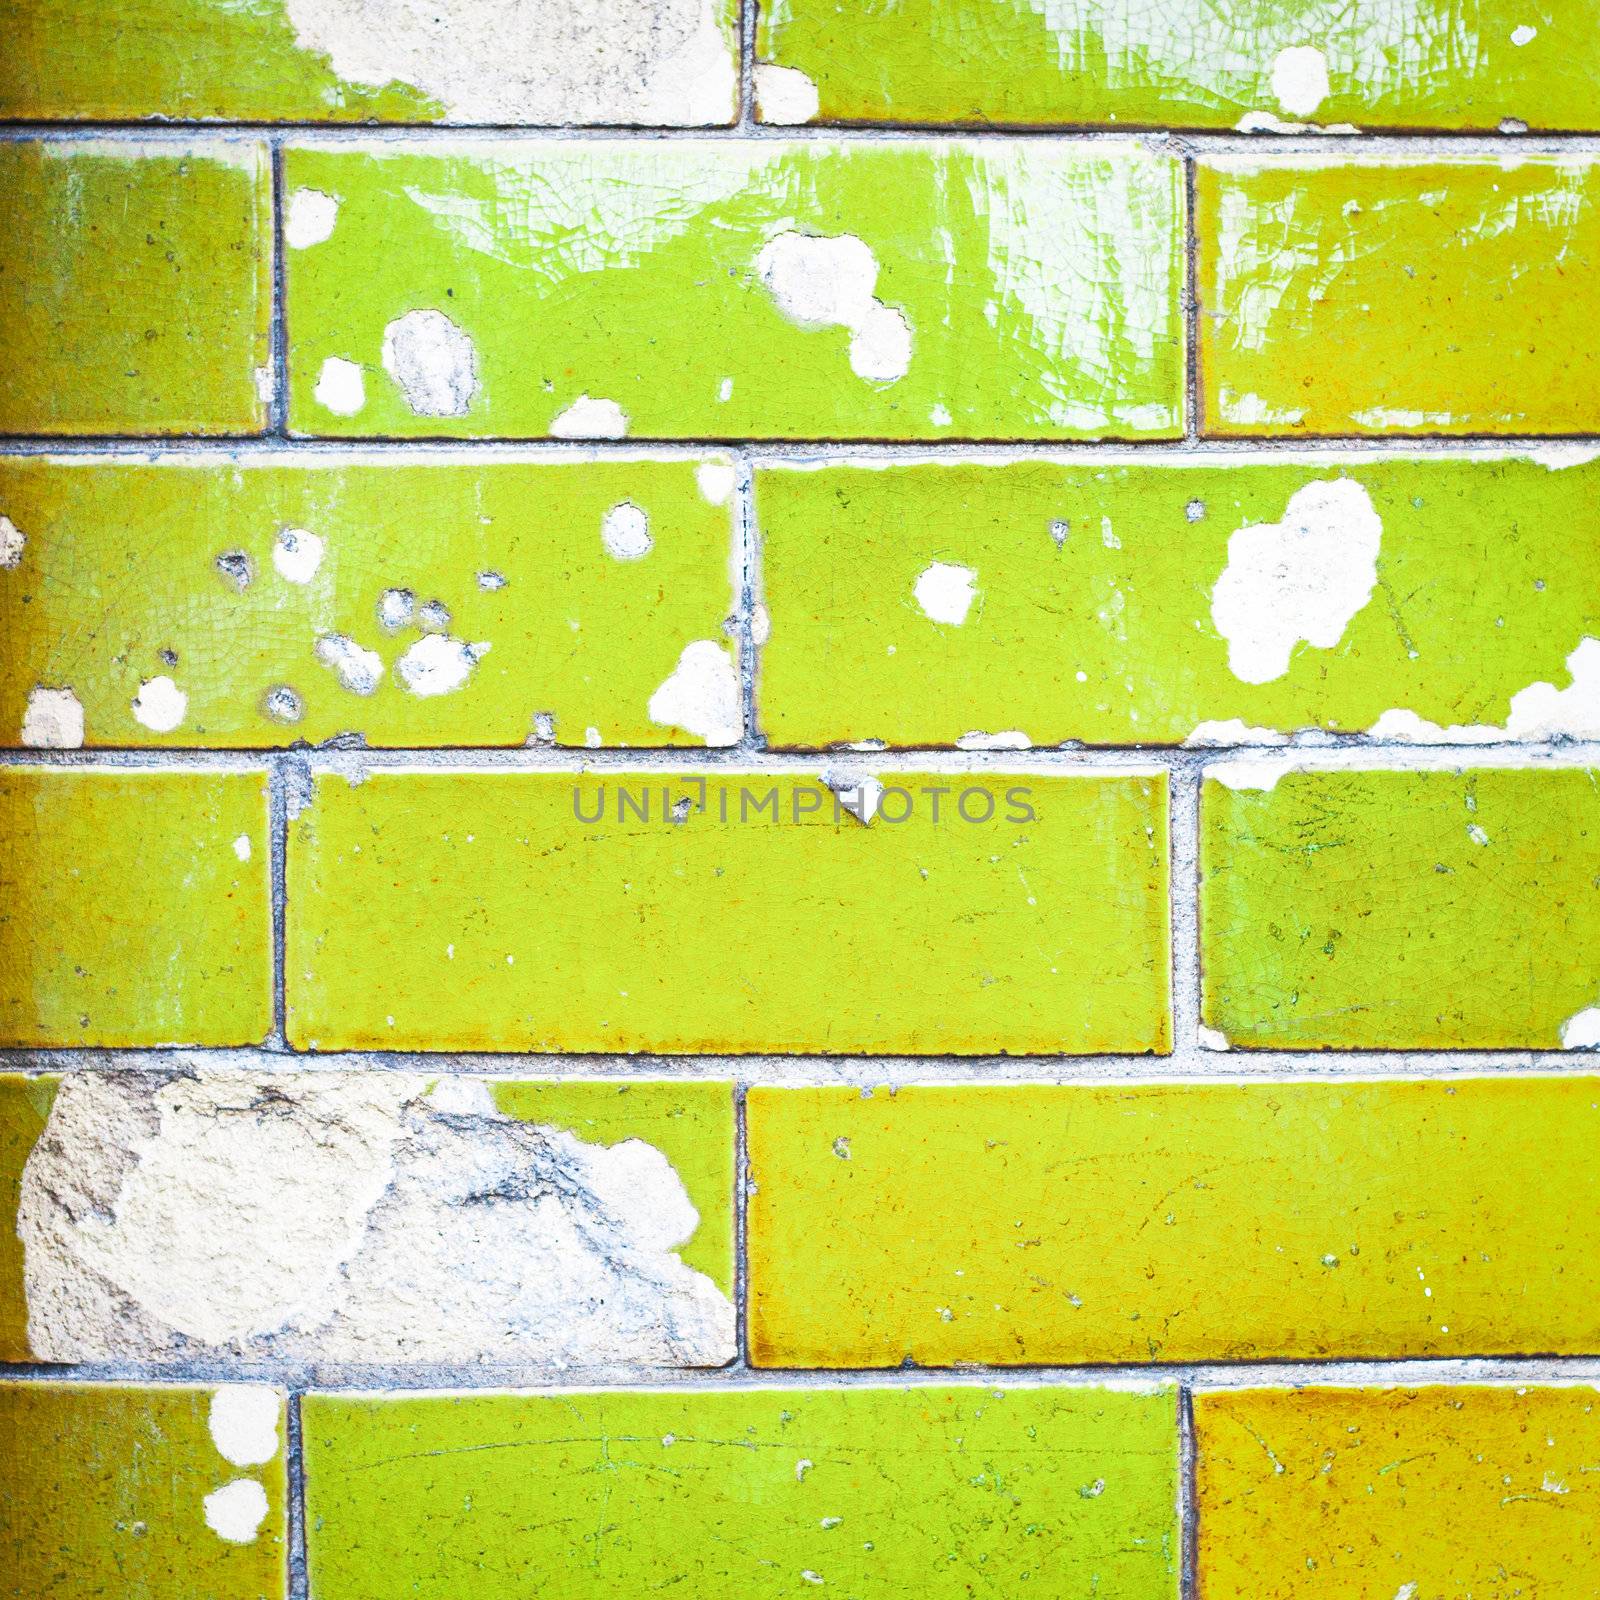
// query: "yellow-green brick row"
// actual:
[[753, 289], [758, 1492], [680, 911], [116, 1489], [134, 907], [188, 600], [1187, 601], [135, 295], [1261, 65], [1040, 1224], [1398, 294], [1429, 910]]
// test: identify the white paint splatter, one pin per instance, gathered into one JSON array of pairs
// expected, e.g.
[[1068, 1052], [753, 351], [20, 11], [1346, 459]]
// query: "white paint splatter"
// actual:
[[160, 705], [1250, 772], [297, 555], [590, 419], [1010, 739], [702, 695], [395, 609], [828, 282], [1525, 34], [244, 1423], [236, 1511], [945, 592], [358, 669], [642, 62], [52, 720], [784, 95], [438, 664], [715, 481], [625, 532], [1582, 1032], [1233, 731], [241, 847], [1303, 578], [11, 543], [1300, 79], [341, 387], [308, 219], [434, 362]]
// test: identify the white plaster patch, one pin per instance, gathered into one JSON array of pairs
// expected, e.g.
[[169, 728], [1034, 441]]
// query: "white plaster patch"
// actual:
[[160, 705], [308, 218], [590, 419], [646, 62], [438, 663], [1010, 739], [434, 362], [243, 1420], [11, 543], [784, 95], [1582, 1032], [241, 847], [350, 1217], [52, 720], [341, 387], [236, 1511], [358, 669], [1303, 578], [625, 532], [1232, 731], [714, 479], [828, 282], [702, 695], [1300, 79], [945, 592], [297, 555]]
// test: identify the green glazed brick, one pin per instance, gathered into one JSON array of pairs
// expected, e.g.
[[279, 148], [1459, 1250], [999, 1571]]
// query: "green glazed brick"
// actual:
[[767, 289], [117, 1490], [1258, 65], [192, 601], [134, 907], [1398, 295], [667, 62], [1185, 601], [871, 1492], [1344, 910], [659, 911], [135, 294]]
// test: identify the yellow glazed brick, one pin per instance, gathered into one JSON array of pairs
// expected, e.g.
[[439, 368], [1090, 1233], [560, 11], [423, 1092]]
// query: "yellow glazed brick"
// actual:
[[1392, 295], [1348, 910], [255, 602], [135, 292], [1345, 1494], [1203, 1222], [115, 1490], [24, 1109], [134, 908], [745, 913]]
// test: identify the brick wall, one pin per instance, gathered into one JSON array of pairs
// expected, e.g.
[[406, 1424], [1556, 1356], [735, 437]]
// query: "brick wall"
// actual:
[[799, 801]]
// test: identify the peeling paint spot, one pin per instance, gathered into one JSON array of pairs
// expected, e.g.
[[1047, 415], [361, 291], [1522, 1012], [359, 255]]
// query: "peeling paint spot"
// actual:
[[1257, 773], [490, 581], [592, 739], [395, 608], [308, 218], [52, 720], [236, 567], [433, 616], [11, 543], [1303, 578], [1300, 79], [1213, 1038], [715, 481], [1523, 35], [297, 555], [544, 733], [1557, 457], [434, 362], [590, 419], [945, 592], [1582, 1032], [438, 664], [1010, 739], [341, 387], [236, 1511], [282, 704], [858, 794], [1232, 731], [152, 1214], [785, 96], [243, 1421], [625, 532], [160, 705], [241, 847], [356, 668], [760, 625], [702, 695], [828, 281]]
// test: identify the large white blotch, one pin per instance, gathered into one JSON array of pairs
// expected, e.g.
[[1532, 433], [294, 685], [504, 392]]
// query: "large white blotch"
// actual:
[[945, 592], [309, 218], [1582, 1032], [438, 663], [352, 1217], [243, 1422], [52, 720], [236, 1511], [434, 362], [828, 283], [160, 705], [588, 418], [702, 695], [356, 667], [784, 95], [11, 543], [1300, 579], [1300, 79], [341, 387], [534, 61]]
